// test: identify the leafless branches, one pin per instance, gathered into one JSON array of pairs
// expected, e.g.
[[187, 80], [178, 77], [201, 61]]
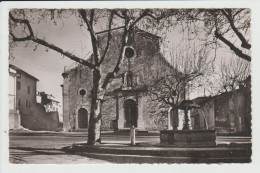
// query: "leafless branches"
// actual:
[[33, 38], [189, 63], [230, 26], [224, 23], [233, 74]]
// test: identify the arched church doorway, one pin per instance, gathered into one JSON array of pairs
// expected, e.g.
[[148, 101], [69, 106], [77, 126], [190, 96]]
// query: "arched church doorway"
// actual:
[[131, 113], [82, 118]]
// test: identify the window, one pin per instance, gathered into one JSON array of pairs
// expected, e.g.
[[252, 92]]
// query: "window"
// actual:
[[18, 85], [82, 92], [129, 52], [28, 90], [129, 80], [80, 74]]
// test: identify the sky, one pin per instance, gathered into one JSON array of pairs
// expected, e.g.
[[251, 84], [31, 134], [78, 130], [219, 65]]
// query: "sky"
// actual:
[[48, 65]]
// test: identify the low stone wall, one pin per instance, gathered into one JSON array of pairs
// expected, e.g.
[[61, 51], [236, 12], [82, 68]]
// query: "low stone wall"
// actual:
[[39, 119], [188, 137]]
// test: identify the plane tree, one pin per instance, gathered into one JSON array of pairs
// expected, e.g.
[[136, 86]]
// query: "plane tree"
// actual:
[[22, 30], [190, 64], [216, 28]]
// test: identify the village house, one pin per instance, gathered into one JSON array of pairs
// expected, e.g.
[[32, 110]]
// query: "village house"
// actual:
[[24, 111], [22, 95], [127, 102], [14, 116], [49, 103], [227, 113]]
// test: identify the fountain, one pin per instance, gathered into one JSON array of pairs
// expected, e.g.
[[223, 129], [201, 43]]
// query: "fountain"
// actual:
[[186, 136]]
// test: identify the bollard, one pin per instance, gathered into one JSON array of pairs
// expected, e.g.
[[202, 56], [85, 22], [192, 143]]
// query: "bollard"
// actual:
[[132, 135]]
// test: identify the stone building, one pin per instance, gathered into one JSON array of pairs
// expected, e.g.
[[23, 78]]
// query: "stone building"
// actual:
[[24, 111], [14, 116], [227, 113], [127, 102], [22, 85], [50, 103]]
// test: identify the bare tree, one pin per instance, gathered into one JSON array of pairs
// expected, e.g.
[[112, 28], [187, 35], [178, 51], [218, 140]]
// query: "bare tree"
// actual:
[[20, 22], [232, 74], [232, 26], [189, 63], [214, 27]]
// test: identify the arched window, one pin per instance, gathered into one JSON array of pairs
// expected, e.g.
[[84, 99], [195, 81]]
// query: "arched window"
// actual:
[[129, 80]]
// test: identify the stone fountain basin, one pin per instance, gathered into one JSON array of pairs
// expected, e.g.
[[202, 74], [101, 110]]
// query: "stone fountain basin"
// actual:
[[184, 138]]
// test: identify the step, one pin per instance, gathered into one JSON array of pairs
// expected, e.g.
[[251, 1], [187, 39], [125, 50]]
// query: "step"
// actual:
[[115, 158], [216, 152]]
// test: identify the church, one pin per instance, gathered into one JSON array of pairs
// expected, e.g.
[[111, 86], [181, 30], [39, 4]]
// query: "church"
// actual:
[[127, 102]]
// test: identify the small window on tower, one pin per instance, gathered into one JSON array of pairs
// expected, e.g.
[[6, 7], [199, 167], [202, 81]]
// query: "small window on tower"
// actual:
[[129, 80], [80, 74]]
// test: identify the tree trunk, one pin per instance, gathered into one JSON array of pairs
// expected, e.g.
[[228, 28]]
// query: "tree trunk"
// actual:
[[186, 125], [94, 130], [175, 118]]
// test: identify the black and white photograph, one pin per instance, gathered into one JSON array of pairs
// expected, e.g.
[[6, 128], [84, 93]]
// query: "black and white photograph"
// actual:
[[129, 85]]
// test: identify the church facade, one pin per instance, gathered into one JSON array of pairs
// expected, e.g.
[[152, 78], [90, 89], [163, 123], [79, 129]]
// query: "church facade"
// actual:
[[127, 102]]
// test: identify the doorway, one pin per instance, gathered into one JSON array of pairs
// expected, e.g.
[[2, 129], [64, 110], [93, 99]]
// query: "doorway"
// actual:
[[82, 118], [131, 113]]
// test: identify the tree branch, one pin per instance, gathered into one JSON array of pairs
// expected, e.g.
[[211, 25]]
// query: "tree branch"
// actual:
[[92, 12], [26, 22], [45, 43], [109, 36], [20, 39], [65, 53], [244, 44], [117, 14], [145, 13], [111, 75], [92, 34], [237, 51]]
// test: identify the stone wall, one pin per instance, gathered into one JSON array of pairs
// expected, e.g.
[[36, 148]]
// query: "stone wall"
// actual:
[[108, 113], [227, 113], [155, 114], [39, 119], [230, 112]]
